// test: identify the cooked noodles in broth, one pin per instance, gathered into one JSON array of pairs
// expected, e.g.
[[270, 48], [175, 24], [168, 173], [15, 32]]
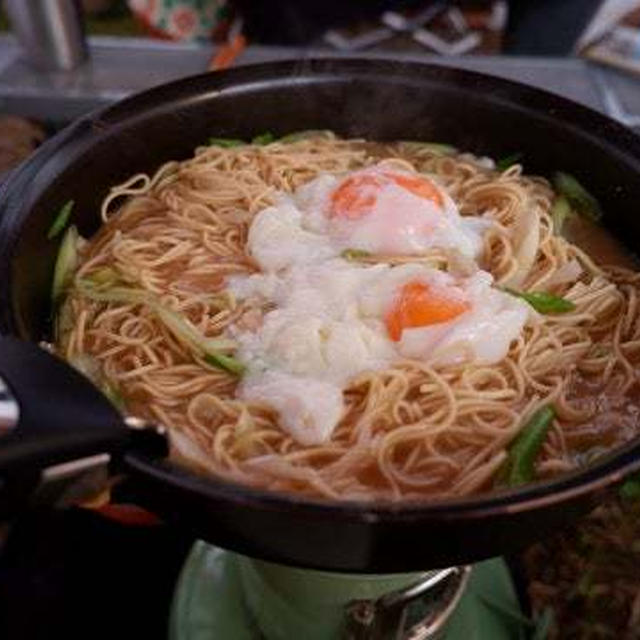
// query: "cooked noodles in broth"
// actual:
[[168, 307]]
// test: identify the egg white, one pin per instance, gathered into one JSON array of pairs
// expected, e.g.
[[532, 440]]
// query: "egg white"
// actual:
[[326, 322]]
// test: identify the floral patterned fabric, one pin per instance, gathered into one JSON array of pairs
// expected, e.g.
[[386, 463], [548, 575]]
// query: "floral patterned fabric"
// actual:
[[183, 19]]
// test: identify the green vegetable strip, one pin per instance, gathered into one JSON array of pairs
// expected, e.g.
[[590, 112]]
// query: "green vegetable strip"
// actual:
[[61, 220], [263, 138], [308, 133], [228, 363], [354, 254], [508, 161], [66, 262], [433, 147], [180, 327], [114, 396], [525, 448], [544, 302], [560, 211], [226, 142], [177, 324], [630, 489], [579, 198], [102, 276]]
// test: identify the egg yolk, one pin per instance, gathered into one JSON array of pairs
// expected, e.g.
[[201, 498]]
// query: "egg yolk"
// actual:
[[419, 305], [357, 195]]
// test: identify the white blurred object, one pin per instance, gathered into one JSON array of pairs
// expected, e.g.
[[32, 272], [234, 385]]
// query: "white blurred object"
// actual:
[[607, 16], [418, 26], [499, 15], [457, 47]]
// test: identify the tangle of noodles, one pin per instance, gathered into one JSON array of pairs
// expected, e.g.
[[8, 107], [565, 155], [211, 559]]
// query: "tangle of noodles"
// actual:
[[411, 431]]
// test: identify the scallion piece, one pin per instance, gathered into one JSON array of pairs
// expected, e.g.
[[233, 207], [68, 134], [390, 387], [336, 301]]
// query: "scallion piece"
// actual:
[[560, 211], [296, 136], [578, 197], [103, 276], [65, 264], [434, 147], [264, 138], [175, 322], [544, 302], [61, 220], [508, 161], [114, 396], [523, 451], [226, 143], [353, 255], [227, 363], [630, 489]]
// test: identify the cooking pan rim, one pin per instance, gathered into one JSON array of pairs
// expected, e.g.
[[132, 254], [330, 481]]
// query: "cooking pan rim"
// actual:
[[599, 475], [619, 139]]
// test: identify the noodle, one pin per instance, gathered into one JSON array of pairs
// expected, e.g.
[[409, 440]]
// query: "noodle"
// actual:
[[410, 431]]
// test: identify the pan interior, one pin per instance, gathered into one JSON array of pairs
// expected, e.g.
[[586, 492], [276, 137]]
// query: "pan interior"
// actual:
[[379, 101]]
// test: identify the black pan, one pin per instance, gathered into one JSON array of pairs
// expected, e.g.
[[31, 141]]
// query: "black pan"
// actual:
[[377, 99]]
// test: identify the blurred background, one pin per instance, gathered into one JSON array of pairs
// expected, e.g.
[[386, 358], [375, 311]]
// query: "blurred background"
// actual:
[[60, 59]]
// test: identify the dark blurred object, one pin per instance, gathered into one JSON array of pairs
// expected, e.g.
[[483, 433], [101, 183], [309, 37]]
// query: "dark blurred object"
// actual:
[[76, 574], [547, 27], [450, 27], [446, 28], [292, 22], [97, 6], [18, 138], [589, 575], [50, 32]]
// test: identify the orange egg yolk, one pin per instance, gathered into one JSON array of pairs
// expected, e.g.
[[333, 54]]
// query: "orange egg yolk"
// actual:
[[357, 195], [419, 305]]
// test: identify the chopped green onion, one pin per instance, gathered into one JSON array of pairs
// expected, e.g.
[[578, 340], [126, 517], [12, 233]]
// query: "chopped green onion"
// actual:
[[296, 136], [172, 320], [182, 328], [354, 254], [63, 321], [433, 147], [544, 302], [264, 138], [113, 395], [103, 276], [87, 365], [560, 211], [630, 490], [123, 295], [66, 263], [519, 466], [579, 198], [61, 220], [508, 161], [226, 142], [228, 363]]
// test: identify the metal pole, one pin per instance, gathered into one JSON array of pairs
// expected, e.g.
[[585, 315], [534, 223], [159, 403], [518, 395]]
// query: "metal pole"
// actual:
[[50, 31]]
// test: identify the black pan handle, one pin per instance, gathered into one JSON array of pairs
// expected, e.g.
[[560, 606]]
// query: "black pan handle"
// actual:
[[59, 417]]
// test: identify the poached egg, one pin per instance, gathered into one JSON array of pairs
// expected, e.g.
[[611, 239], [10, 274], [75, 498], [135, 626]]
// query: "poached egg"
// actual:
[[327, 319]]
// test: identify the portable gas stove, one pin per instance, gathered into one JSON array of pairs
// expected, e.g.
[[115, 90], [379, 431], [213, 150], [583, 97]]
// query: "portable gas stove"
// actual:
[[223, 595]]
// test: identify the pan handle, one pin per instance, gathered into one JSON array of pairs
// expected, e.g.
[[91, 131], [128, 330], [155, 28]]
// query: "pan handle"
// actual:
[[52, 414]]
